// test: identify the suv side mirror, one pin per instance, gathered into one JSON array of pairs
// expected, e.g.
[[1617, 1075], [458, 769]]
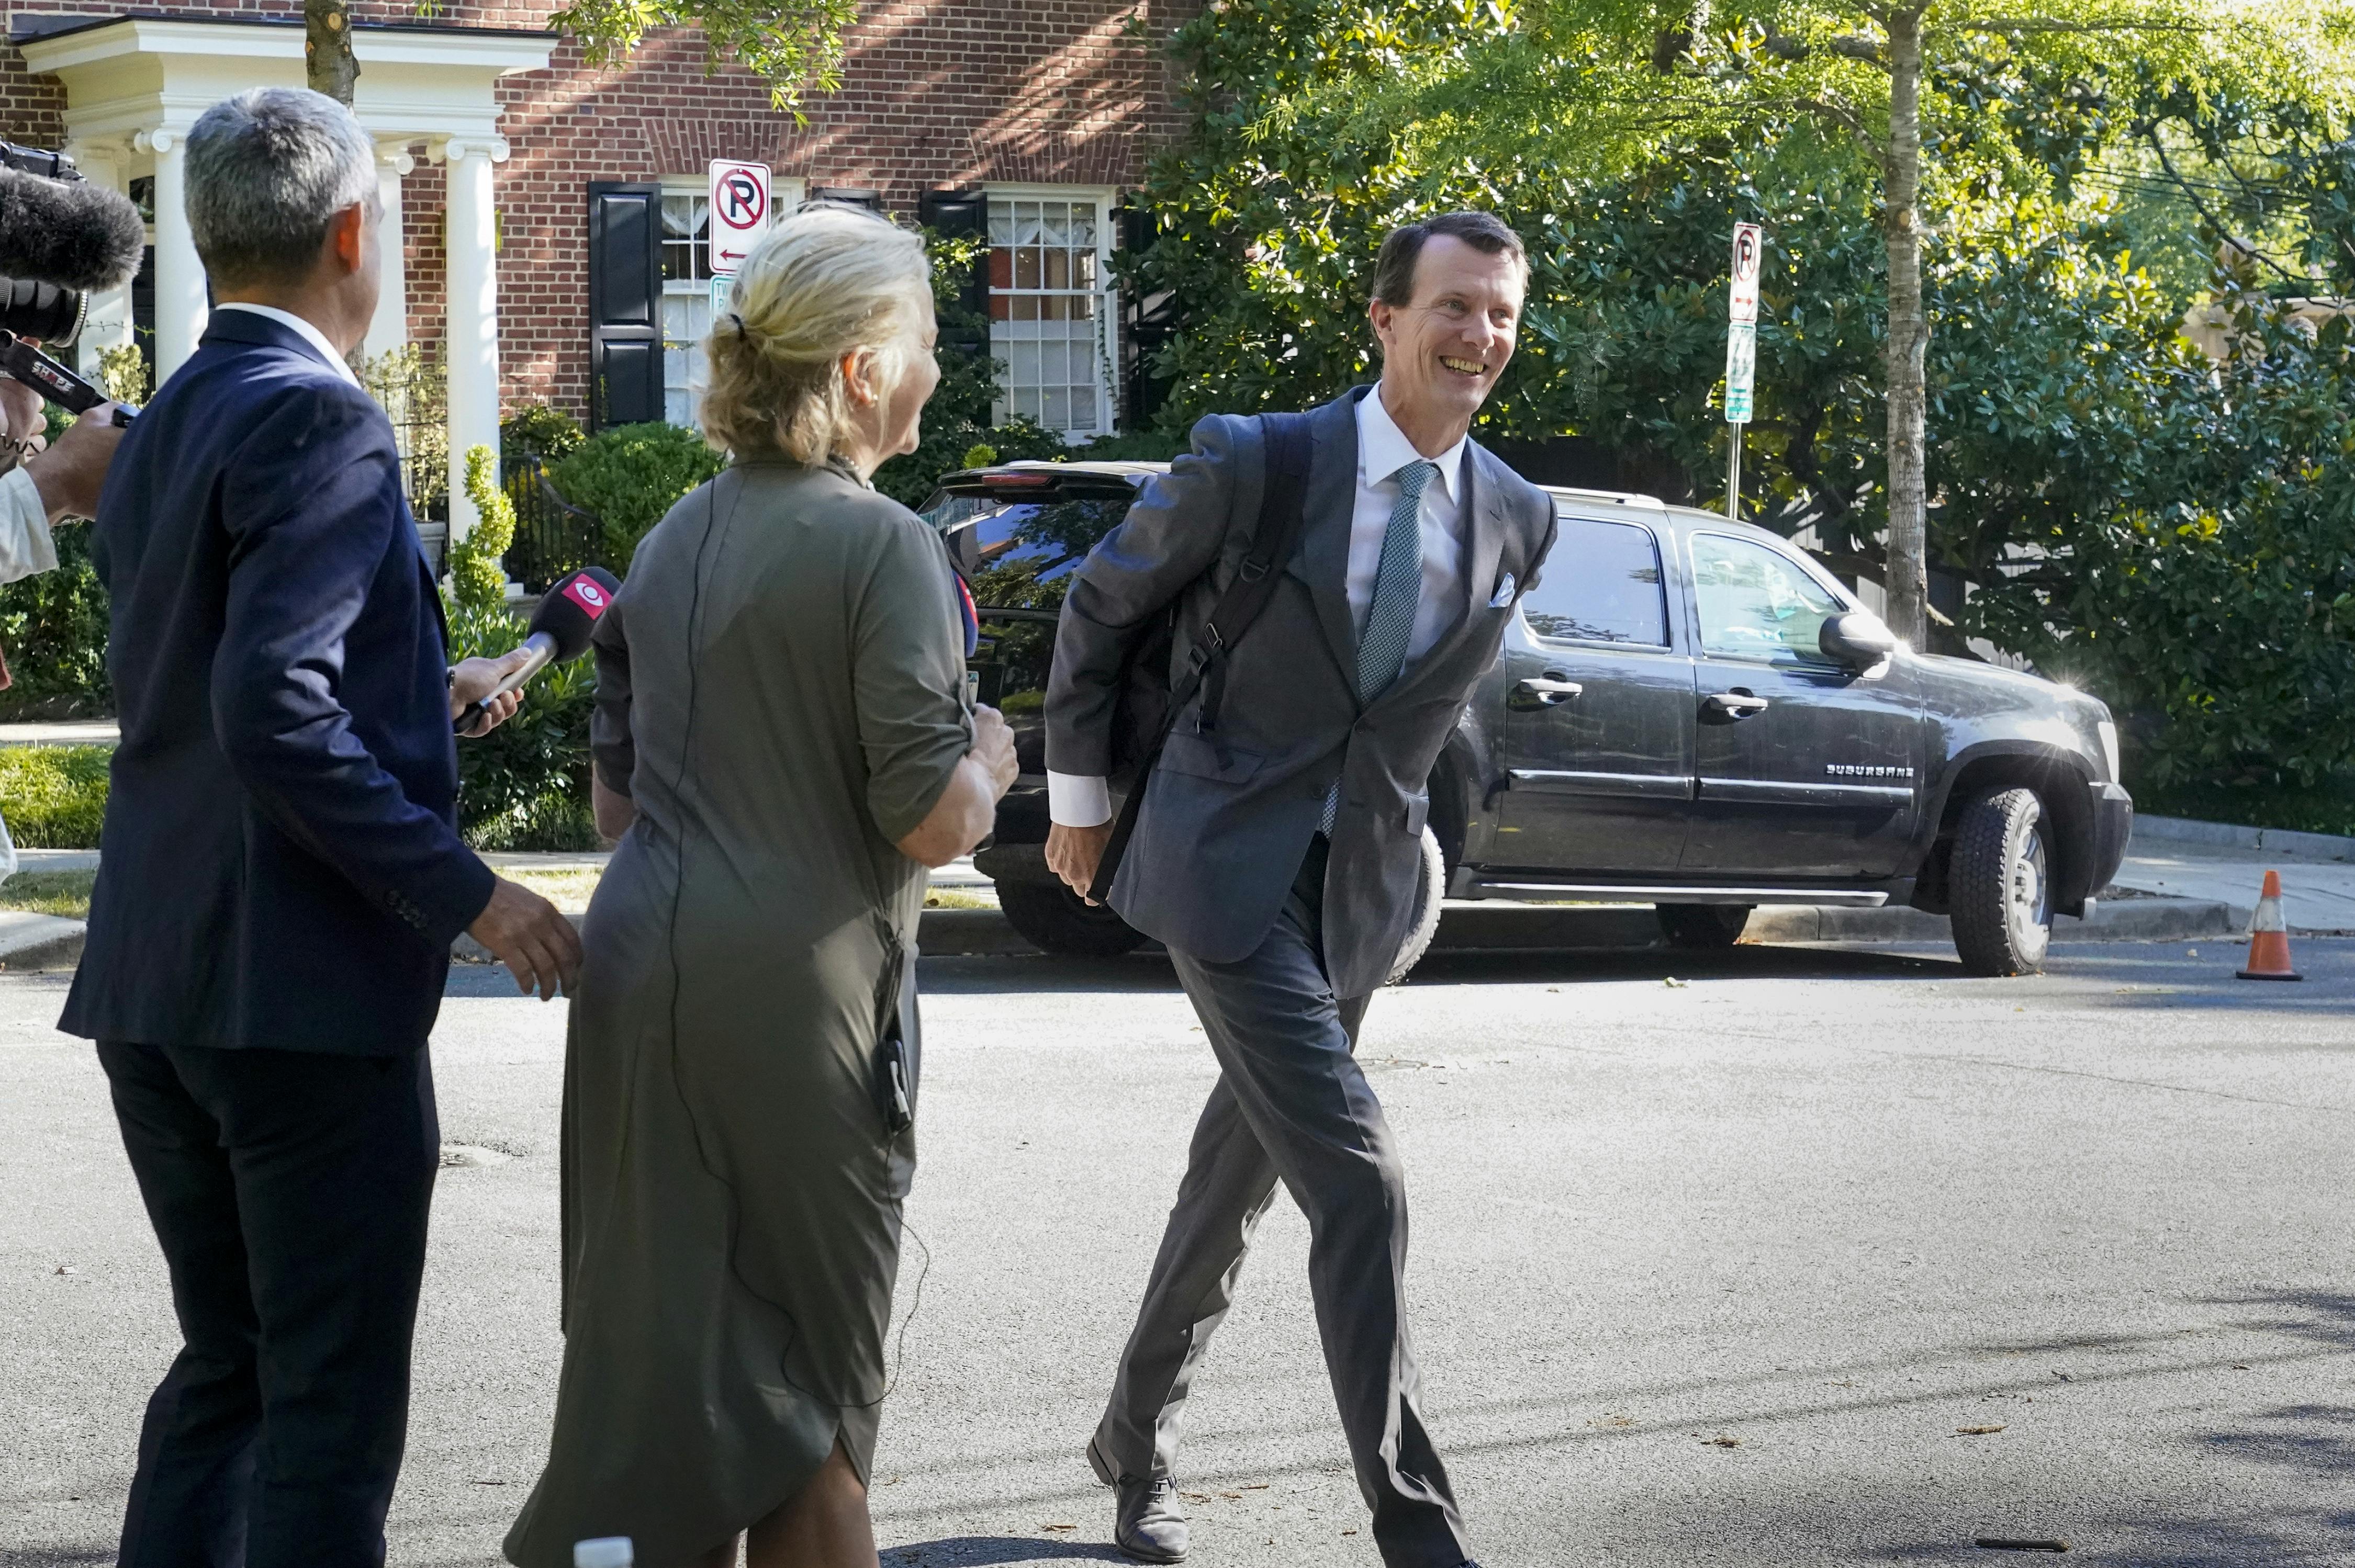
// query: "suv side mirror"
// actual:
[[1856, 639]]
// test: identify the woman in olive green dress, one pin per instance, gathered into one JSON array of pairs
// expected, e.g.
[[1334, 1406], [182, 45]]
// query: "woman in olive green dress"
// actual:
[[781, 729]]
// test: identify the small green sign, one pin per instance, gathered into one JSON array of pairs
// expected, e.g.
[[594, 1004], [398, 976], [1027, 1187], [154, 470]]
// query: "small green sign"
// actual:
[[1741, 370]]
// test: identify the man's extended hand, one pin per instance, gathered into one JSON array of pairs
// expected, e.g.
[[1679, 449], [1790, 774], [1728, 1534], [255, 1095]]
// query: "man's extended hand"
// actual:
[[71, 474], [472, 681], [526, 932], [1074, 854]]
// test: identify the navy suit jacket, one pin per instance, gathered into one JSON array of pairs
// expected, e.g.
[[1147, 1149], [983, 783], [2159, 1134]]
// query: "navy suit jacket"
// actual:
[[281, 864]]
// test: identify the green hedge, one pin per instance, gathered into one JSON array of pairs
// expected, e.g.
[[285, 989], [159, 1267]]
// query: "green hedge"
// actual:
[[53, 627], [629, 476], [54, 796], [525, 786]]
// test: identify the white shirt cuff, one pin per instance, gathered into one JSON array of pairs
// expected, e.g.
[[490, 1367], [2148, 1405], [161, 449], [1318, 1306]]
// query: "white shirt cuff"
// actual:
[[1074, 801], [26, 546]]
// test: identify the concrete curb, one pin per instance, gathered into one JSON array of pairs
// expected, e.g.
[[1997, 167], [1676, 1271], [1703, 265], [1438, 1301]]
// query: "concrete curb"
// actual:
[[1493, 925], [41, 942], [2230, 835], [1488, 926]]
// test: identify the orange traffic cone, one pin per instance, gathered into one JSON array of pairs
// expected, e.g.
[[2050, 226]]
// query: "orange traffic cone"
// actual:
[[2269, 937]]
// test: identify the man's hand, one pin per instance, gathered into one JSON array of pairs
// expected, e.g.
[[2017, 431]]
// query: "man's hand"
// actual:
[[71, 474], [993, 747], [525, 932], [472, 681], [1074, 854]]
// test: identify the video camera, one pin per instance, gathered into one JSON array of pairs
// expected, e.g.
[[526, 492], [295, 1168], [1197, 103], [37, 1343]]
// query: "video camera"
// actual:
[[60, 237]]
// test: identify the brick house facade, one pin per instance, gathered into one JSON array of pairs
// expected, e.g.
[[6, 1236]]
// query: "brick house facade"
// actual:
[[1055, 104]]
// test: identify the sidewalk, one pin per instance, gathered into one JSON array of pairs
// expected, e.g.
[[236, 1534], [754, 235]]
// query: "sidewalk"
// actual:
[[2180, 881]]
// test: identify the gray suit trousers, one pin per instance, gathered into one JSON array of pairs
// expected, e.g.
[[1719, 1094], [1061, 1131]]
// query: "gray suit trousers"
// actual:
[[1292, 1105]]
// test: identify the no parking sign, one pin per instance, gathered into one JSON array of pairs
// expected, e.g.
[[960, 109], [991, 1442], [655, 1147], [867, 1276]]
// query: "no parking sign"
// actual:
[[739, 212]]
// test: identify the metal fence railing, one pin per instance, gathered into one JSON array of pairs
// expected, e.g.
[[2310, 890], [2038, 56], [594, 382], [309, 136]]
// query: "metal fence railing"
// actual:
[[552, 536]]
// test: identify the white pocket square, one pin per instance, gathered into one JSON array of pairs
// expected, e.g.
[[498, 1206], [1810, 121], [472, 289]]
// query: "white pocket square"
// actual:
[[1504, 594]]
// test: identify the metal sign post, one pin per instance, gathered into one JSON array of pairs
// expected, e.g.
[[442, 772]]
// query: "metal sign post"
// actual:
[[1741, 353]]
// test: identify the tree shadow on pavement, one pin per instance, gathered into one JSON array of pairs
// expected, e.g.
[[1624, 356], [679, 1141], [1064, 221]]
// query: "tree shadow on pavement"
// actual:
[[981, 1550]]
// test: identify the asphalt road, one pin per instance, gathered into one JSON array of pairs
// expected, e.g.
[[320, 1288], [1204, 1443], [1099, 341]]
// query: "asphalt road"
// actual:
[[1709, 1272]]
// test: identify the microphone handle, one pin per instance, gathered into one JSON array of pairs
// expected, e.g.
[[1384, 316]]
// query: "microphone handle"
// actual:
[[543, 649]]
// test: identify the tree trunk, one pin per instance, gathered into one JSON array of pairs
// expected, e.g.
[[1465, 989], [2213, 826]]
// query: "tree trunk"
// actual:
[[1909, 337], [327, 49]]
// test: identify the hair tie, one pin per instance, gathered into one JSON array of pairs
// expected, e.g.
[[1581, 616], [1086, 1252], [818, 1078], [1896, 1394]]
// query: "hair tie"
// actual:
[[741, 335]]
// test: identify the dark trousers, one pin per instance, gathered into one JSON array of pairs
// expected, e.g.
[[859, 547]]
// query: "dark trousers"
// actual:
[[289, 1190], [1291, 1106]]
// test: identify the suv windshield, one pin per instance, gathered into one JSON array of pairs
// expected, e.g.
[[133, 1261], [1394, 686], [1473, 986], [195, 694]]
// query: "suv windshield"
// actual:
[[1018, 557]]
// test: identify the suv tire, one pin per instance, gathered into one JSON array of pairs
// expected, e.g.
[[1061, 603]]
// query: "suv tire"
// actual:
[[1051, 916], [1702, 925], [2001, 884], [1431, 889]]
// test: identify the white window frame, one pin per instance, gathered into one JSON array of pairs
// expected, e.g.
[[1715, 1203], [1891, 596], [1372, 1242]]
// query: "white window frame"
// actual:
[[784, 196], [1107, 308]]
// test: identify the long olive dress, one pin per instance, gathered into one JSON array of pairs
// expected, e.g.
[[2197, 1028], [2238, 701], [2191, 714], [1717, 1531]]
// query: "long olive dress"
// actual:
[[780, 691]]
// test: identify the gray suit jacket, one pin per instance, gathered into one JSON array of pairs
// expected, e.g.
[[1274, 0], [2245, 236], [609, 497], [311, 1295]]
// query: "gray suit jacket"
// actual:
[[1228, 817]]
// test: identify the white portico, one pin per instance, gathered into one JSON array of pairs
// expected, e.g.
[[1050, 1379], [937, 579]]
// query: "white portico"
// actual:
[[135, 84]]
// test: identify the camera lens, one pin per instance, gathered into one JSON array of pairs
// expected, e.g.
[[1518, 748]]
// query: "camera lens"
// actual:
[[29, 308]]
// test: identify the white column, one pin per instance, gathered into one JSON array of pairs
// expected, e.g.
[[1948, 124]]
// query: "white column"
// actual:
[[108, 322], [180, 307], [471, 336], [390, 329]]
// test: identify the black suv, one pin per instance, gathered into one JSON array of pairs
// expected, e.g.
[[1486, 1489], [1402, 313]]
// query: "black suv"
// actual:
[[1688, 711]]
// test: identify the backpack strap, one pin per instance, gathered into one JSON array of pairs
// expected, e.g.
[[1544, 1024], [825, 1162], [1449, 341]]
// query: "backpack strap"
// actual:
[[1275, 535]]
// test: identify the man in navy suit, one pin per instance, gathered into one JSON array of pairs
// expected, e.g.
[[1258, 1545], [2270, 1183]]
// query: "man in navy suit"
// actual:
[[281, 874]]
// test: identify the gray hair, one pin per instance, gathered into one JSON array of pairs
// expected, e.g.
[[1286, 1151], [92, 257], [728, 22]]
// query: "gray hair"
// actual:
[[266, 171]]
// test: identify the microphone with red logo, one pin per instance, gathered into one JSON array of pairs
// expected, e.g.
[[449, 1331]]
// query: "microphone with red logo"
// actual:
[[568, 613]]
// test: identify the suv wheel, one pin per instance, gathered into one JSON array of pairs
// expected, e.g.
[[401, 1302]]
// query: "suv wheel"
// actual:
[[1702, 925], [2001, 884], [1051, 916], [1430, 888]]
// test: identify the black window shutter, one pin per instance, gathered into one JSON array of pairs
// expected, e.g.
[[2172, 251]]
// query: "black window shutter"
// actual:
[[625, 347]]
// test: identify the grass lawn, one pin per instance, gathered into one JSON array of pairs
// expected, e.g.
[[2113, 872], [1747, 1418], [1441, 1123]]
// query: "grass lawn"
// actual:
[[67, 893], [63, 892]]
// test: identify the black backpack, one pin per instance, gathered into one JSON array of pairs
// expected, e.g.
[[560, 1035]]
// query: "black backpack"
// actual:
[[1148, 705]]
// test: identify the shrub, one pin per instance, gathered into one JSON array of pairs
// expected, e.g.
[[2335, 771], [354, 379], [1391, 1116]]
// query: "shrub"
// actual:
[[54, 796], [539, 430], [54, 627], [525, 786], [478, 577], [629, 476]]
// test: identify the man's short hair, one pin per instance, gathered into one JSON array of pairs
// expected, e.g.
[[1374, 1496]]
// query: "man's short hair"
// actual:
[[267, 170], [1483, 231]]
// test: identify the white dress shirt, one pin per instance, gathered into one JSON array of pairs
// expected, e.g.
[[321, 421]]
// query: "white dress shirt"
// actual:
[[311, 335], [1076, 800]]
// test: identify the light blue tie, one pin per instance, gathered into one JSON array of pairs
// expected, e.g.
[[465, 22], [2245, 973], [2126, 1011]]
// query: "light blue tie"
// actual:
[[1390, 619]]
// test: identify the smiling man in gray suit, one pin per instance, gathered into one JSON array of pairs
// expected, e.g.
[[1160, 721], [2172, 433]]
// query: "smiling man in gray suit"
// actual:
[[1278, 847]]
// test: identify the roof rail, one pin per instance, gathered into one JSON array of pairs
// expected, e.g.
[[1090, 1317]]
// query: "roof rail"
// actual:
[[1615, 497]]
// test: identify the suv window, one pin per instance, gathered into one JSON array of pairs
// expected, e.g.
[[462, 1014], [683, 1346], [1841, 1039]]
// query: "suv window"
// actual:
[[1017, 556], [1755, 604], [1604, 587]]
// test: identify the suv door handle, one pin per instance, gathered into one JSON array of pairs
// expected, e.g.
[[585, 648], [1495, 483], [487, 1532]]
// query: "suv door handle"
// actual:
[[1545, 690], [1732, 706]]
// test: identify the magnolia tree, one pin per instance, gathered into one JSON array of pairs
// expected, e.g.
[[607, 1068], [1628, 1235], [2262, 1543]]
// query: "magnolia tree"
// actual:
[[1589, 86]]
